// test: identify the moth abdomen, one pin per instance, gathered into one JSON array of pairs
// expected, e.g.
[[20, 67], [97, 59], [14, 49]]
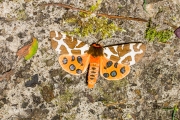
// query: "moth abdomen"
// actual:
[[93, 71]]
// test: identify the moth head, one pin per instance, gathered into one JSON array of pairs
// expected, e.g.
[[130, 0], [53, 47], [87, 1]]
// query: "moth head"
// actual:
[[96, 45], [95, 50]]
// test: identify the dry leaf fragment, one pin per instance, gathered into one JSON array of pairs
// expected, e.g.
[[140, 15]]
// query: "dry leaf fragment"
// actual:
[[23, 51], [28, 50]]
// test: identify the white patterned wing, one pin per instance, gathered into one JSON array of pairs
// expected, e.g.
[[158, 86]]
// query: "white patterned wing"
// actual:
[[65, 44], [125, 53]]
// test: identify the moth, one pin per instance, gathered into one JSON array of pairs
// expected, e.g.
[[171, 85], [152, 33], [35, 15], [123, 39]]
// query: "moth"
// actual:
[[113, 62]]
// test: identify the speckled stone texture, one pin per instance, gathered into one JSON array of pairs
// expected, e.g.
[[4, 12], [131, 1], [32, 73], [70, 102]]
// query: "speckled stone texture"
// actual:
[[40, 90]]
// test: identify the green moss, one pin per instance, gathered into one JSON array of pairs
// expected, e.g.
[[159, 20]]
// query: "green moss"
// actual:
[[95, 7], [88, 23], [165, 35], [161, 36], [94, 25]]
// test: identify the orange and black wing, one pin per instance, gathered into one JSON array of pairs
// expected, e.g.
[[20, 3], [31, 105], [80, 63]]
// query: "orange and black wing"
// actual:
[[74, 64], [112, 70]]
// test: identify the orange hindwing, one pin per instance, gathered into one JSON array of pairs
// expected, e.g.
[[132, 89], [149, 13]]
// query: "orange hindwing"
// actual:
[[111, 70], [74, 64]]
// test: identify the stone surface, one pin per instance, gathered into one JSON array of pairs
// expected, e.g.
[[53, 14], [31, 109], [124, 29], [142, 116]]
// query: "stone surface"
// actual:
[[152, 85]]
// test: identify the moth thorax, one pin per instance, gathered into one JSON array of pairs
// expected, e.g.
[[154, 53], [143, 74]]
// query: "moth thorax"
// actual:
[[95, 50]]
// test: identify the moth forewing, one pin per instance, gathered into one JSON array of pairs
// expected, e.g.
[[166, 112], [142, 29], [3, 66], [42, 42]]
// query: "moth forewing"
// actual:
[[55, 37], [65, 44], [140, 51], [128, 54]]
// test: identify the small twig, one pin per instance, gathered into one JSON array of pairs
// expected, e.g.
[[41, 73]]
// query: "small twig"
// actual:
[[117, 103], [164, 42], [102, 15], [170, 24]]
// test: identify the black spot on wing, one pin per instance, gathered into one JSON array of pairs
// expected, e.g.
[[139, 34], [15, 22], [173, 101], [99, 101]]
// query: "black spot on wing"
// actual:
[[113, 73], [65, 60], [72, 67], [79, 59], [106, 75], [73, 58], [122, 70], [115, 65], [109, 63], [78, 71]]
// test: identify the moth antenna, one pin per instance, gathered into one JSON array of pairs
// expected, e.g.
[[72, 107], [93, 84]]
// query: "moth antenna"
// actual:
[[99, 41]]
